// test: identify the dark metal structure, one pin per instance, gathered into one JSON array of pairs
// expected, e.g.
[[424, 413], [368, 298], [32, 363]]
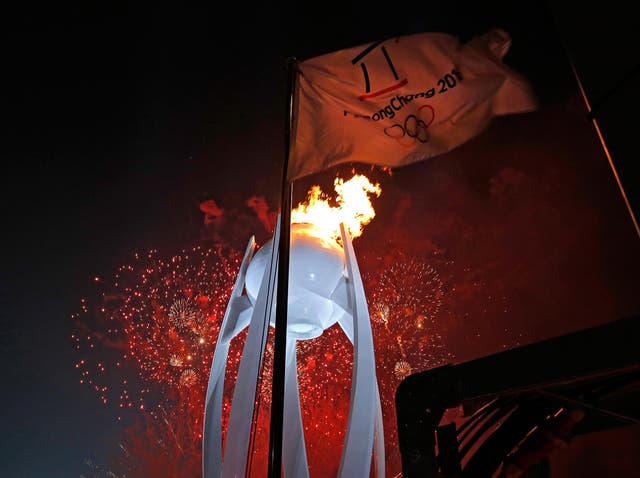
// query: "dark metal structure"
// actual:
[[519, 405]]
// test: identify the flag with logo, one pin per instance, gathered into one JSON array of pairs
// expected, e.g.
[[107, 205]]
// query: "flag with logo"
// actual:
[[401, 100]]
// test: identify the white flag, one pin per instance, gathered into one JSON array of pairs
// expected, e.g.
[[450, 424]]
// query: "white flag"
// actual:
[[401, 100]]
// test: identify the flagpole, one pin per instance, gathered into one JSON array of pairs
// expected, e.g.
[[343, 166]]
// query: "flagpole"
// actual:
[[280, 342], [591, 115]]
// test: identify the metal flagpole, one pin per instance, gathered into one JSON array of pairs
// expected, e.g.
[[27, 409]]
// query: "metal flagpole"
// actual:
[[591, 115], [280, 343]]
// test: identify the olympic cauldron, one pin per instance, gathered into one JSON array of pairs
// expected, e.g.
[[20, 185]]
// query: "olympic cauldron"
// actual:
[[325, 288], [316, 269]]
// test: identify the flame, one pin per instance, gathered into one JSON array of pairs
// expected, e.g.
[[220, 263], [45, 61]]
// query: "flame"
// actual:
[[353, 208]]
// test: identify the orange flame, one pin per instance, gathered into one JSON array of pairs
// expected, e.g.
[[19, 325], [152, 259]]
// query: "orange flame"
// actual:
[[353, 208]]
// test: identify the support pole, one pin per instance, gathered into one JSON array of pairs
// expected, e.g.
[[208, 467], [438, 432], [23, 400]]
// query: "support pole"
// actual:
[[591, 116], [280, 342], [594, 121]]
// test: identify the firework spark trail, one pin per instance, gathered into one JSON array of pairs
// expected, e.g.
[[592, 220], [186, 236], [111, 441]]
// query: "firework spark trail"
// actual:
[[405, 301], [163, 315]]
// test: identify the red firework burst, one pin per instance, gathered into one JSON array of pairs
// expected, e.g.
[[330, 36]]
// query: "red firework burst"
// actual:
[[160, 319]]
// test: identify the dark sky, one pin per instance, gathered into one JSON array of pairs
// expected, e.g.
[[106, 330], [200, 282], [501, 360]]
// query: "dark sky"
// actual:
[[121, 119]]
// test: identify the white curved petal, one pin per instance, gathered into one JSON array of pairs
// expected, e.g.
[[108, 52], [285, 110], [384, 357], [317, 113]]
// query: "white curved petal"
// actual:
[[212, 432]]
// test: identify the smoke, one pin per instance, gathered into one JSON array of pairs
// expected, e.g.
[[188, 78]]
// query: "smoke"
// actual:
[[212, 212], [235, 225], [260, 207]]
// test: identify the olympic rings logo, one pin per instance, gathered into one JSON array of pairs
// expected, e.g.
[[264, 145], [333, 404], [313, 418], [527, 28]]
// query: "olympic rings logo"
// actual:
[[415, 127]]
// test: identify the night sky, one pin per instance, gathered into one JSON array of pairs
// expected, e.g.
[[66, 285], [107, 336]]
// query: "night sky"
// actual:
[[122, 120]]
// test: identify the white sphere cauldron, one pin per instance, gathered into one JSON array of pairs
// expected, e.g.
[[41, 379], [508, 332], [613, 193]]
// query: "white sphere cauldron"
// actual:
[[321, 293], [315, 269]]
